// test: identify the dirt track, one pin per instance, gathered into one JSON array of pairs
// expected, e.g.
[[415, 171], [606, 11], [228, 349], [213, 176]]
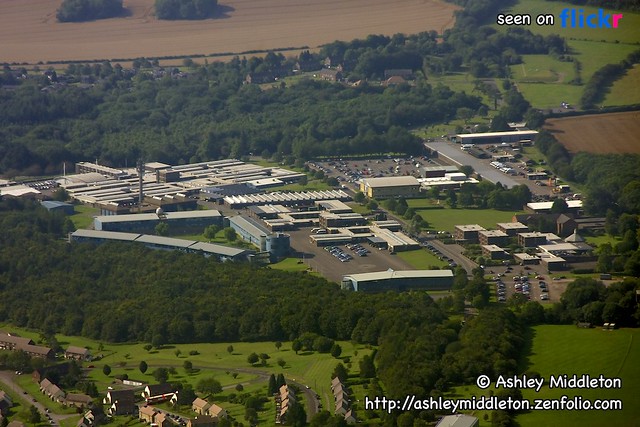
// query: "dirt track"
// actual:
[[601, 133], [30, 33]]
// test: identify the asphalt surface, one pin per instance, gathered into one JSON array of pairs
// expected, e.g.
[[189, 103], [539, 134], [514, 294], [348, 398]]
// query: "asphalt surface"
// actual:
[[457, 156]]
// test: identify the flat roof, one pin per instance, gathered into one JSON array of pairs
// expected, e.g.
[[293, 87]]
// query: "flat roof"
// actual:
[[493, 233], [165, 241], [393, 181], [210, 213], [572, 204], [493, 248], [217, 249], [470, 227], [512, 225], [250, 226], [391, 274], [496, 134], [109, 235]]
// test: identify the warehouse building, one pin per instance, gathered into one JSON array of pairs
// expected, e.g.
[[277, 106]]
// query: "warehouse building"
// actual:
[[186, 221], [385, 188], [220, 252], [407, 280], [496, 137], [277, 245]]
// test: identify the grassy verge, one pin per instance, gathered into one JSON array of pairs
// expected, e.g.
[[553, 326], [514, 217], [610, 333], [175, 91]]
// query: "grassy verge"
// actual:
[[421, 259], [83, 218], [444, 218]]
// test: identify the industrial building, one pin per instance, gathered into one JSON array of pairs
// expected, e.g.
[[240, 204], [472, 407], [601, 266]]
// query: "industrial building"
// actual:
[[544, 207], [451, 180], [54, 206], [277, 245], [220, 252], [303, 198], [186, 221], [496, 137], [407, 280], [468, 233], [385, 188]]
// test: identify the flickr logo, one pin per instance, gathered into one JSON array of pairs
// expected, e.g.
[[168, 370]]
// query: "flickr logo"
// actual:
[[577, 19]]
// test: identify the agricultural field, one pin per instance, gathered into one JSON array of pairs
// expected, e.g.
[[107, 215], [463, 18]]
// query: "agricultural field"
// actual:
[[603, 133], [626, 90], [30, 32]]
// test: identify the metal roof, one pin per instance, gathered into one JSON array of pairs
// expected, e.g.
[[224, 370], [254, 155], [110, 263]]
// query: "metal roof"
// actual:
[[108, 235], [390, 274], [393, 181]]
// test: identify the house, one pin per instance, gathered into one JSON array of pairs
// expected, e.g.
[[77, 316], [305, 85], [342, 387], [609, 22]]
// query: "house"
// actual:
[[122, 407], [405, 73], [342, 407], [115, 395], [147, 414], [37, 351], [216, 411], [5, 403], [163, 420], [52, 391], [11, 341], [350, 417], [259, 78], [458, 420], [77, 353], [394, 81], [93, 416], [335, 382], [78, 400], [330, 75], [200, 406], [201, 421], [154, 393], [53, 371]]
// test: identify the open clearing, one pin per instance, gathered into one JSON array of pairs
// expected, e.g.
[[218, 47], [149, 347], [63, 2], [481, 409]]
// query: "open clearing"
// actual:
[[600, 133], [30, 32]]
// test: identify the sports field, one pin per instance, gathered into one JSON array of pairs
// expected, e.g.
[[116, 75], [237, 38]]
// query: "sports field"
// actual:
[[601, 133], [30, 32]]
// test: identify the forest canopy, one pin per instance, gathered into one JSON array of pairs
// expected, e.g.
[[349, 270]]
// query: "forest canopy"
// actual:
[[88, 10], [185, 9]]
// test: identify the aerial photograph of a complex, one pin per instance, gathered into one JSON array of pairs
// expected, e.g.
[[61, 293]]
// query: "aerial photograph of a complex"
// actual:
[[413, 213]]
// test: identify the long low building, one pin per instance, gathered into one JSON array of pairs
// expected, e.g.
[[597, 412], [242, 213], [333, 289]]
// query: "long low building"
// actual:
[[220, 252], [406, 280], [285, 199], [494, 137], [185, 220]]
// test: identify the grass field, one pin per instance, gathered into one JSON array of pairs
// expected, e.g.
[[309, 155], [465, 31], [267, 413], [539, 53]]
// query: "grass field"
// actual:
[[626, 90], [30, 32], [559, 350], [601, 133], [421, 259], [446, 219], [83, 218], [212, 360]]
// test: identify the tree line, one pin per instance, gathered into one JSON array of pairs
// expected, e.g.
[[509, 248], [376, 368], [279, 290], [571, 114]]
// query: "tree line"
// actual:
[[88, 10]]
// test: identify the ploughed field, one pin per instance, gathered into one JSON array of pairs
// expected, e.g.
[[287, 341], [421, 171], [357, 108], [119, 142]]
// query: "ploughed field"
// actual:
[[599, 133], [30, 32]]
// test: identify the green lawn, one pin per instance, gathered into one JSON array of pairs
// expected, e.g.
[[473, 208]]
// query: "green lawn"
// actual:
[[626, 90], [290, 264], [310, 368], [446, 218], [421, 259], [83, 218]]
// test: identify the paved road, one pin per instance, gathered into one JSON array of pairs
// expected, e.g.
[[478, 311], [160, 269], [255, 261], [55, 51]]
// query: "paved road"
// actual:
[[456, 155], [454, 252], [7, 378]]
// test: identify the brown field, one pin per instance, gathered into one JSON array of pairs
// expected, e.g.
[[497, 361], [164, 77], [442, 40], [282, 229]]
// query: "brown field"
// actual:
[[600, 133], [29, 31]]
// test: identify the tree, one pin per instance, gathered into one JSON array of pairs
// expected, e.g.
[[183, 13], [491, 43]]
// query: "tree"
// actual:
[[296, 345], [178, 352], [147, 347], [278, 345], [211, 231], [185, 9], [188, 366], [281, 362], [280, 381], [253, 358], [367, 368], [34, 415], [143, 366], [106, 369], [230, 234], [467, 170], [359, 197], [158, 341], [87, 10], [559, 206], [340, 372], [161, 375], [336, 350], [272, 388], [296, 415], [264, 357], [230, 349], [162, 229], [209, 386], [304, 180]]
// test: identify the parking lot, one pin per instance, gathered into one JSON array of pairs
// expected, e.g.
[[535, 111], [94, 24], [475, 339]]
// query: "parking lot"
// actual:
[[328, 262]]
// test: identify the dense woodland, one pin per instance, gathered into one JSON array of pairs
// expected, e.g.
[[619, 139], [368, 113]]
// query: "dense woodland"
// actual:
[[88, 10]]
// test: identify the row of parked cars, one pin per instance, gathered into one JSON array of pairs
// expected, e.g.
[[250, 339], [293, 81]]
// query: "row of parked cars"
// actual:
[[338, 253], [358, 249], [439, 254]]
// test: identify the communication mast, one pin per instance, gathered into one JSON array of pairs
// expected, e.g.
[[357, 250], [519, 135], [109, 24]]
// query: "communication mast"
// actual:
[[140, 168]]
